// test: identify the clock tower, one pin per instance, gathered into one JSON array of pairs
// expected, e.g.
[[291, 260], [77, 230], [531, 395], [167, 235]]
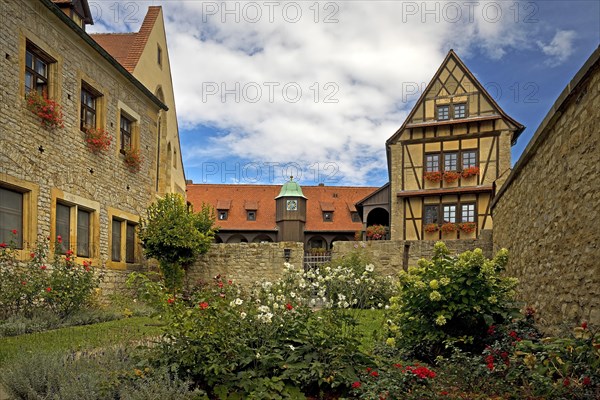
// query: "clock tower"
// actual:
[[290, 212]]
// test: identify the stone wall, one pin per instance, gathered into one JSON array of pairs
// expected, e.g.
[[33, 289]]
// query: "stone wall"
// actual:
[[388, 255], [547, 213], [245, 263]]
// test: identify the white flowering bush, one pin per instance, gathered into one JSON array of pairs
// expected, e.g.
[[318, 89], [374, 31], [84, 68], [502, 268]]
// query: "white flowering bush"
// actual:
[[450, 300]]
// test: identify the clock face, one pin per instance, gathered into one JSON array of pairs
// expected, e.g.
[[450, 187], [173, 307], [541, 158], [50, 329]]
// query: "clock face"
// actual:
[[292, 205]]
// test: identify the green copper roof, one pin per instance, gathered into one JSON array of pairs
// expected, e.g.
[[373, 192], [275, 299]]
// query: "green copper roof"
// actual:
[[290, 189]]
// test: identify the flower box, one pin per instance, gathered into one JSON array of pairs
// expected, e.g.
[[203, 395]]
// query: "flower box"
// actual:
[[469, 172], [467, 227], [133, 160], [434, 176], [377, 232], [449, 227], [431, 228], [97, 140], [451, 176], [47, 110]]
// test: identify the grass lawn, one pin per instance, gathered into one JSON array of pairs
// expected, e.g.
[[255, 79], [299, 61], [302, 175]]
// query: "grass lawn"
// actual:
[[78, 338]]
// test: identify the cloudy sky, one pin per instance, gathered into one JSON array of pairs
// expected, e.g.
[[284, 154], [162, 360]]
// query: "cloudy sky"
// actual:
[[313, 89]]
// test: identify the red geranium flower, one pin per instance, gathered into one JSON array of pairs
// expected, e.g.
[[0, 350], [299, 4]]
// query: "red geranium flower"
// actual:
[[586, 381], [355, 385], [203, 305], [289, 306]]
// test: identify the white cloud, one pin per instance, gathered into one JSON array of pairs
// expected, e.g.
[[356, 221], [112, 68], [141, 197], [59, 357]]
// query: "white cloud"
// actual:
[[560, 48], [364, 64]]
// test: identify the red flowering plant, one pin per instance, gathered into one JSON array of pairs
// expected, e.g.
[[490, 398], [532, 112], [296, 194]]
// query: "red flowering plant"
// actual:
[[449, 227], [49, 111], [467, 227], [97, 140], [470, 171], [377, 232], [395, 382], [133, 159], [59, 285], [434, 176], [451, 176], [431, 228]]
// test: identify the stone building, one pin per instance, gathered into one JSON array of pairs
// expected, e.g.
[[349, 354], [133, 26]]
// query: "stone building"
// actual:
[[314, 215], [145, 55], [51, 184], [447, 158], [547, 211]]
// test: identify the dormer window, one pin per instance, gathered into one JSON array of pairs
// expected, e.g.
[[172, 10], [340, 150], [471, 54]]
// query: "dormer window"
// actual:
[[328, 216], [251, 215], [443, 113], [223, 215]]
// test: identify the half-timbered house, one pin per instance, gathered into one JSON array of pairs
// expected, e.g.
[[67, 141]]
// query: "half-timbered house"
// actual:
[[448, 157]]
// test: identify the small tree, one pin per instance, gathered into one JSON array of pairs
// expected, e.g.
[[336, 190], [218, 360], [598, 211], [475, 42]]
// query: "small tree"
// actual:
[[174, 235]]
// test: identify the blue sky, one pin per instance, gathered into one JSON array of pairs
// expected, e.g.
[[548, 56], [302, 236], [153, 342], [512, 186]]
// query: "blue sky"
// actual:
[[313, 89]]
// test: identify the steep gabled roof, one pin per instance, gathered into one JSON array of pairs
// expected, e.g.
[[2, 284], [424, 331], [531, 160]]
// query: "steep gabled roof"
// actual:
[[454, 57], [127, 48]]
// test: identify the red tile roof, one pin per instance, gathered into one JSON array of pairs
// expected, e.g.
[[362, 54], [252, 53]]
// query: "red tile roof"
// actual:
[[339, 199], [127, 48]]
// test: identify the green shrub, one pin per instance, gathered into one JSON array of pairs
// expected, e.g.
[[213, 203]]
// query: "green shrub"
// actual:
[[450, 300], [175, 235], [265, 344]]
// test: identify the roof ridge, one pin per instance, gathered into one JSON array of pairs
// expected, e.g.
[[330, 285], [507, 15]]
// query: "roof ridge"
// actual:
[[142, 38]]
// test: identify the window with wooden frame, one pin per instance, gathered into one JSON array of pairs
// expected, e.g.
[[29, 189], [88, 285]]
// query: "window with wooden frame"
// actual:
[[460, 110], [89, 108], [431, 214], [432, 162], [450, 161], [116, 240], [467, 213], [443, 113], [449, 213], [130, 243], [126, 128], [11, 217], [355, 217], [222, 215], [123, 232], [469, 159], [251, 215], [37, 70], [327, 216], [73, 218]]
